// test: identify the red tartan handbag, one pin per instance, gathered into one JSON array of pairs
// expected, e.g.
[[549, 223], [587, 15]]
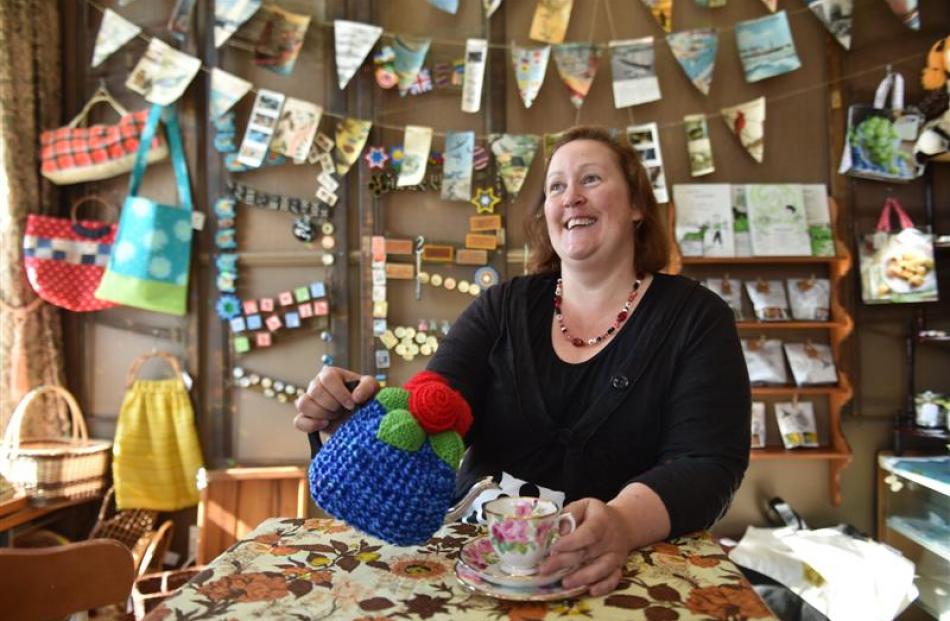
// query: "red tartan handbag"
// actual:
[[66, 257], [74, 154]]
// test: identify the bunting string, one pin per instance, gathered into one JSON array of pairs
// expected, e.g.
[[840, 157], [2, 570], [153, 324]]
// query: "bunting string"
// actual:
[[770, 99]]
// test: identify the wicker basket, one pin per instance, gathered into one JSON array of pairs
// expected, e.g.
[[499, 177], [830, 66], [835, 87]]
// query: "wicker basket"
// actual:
[[54, 468]]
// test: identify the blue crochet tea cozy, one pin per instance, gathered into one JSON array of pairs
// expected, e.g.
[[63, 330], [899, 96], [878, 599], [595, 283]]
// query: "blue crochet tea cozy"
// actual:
[[389, 470]]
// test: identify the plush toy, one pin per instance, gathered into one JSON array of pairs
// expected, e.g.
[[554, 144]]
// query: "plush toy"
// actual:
[[936, 72], [390, 469], [934, 138]]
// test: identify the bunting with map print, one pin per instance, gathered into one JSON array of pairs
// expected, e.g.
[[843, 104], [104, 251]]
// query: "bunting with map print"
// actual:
[[513, 156], [550, 20], [352, 42], [765, 47], [114, 32], [747, 122], [835, 15], [351, 135], [410, 54], [577, 64], [695, 50], [530, 65], [662, 11]]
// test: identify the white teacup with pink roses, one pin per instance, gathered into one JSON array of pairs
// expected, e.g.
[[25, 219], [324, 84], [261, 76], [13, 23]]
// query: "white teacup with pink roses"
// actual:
[[522, 531]]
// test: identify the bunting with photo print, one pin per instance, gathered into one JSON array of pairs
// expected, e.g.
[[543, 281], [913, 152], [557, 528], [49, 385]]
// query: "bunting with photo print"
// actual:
[[281, 39], [296, 128], [229, 15], [351, 135], [114, 32], [698, 145], [577, 65], [513, 156], [835, 15], [226, 90], [457, 166], [410, 54], [530, 64], [645, 139], [662, 11], [260, 128], [695, 51], [747, 122], [163, 73], [766, 48], [353, 42], [633, 63], [550, 21]]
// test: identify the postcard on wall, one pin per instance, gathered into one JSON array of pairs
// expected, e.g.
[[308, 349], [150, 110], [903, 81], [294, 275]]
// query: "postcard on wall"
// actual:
[[260, 128], [633, 63], [766, 47], [163, 73], [352, 42], [836, 17], [646, 140], [229, 15], [703, 219], [281, 40], [698, 145], [740, 221], [818, 219], [476, 53], [296, 128], [777, 220], [550, 20]]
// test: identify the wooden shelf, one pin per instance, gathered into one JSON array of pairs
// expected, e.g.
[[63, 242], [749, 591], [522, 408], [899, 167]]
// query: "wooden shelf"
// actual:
[[822, 452], [790, 325], [798, 260], [802, 391]]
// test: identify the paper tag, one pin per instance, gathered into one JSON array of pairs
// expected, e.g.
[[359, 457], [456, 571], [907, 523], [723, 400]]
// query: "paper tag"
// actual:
[[198, 220], [186, 379], [326, 196], [326, 180]]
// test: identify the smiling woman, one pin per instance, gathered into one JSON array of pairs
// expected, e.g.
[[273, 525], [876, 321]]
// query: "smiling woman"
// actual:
[[596, 376]]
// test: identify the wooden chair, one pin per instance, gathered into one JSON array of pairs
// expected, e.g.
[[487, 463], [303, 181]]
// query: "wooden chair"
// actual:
[[52, 583]]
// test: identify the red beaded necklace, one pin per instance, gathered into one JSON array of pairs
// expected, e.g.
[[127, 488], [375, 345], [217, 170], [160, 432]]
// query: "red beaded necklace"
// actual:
[[621, 316]]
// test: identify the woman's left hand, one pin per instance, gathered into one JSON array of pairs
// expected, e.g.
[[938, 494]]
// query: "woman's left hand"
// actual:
[[599, 547]]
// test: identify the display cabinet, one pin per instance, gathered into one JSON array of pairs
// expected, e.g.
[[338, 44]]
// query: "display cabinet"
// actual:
[[913, 516], [829, 400]]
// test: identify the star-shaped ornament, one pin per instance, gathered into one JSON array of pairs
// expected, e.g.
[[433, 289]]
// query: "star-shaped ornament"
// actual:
[[485, 200], [376, 158]]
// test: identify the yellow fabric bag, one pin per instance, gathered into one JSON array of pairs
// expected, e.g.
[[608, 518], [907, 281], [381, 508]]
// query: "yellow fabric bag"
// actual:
[[156, 455]]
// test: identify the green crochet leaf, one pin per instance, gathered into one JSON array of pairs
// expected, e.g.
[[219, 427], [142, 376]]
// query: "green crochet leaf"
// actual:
[[393, 398], [399, 429], [449, 447]]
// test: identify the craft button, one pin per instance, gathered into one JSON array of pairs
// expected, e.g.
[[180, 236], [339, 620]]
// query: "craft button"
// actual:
[[292, 320], [290, 389], [237, 372], [413, 349], [328, 242], [266, 382], [238, 324], [619, 382], [463, 286], [278, 385], [436, 280], [327, 260], [449, 283], [474, 290], [410, 333], [268, 393], [305, 310], [250, 307], [425, 350], [326, 336], [401, 349], [432, 342], [255, 379], [326, 359], [321, 308], [242, 344], [327, 228], [423, 277], [400, 332], [420, 337]]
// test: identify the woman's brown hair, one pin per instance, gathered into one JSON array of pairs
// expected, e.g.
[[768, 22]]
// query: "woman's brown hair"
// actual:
[[651, 244]]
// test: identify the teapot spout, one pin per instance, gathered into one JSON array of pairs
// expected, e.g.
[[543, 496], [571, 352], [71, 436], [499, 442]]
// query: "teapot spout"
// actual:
[[465, 504]]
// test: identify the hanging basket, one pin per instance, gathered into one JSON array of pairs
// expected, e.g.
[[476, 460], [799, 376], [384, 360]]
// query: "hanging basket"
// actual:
[[54, 468]]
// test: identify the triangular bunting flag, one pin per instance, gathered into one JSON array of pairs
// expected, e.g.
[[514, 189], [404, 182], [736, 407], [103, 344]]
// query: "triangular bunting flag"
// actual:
[[836, 17], [229, 15], [416, 143], [550, 20], [351, 135], [766, 48], [226, 90], [577, 64], [530, 65], [662, 11], [353, 42], [491, 6], [114, 32], [457, 160], [633, 64], [449, 6], [771, 5], [281, 39], [513, 156], [695, 50], [908, 12], [410, 54], [163, 73], [711, 4], [747, 122]]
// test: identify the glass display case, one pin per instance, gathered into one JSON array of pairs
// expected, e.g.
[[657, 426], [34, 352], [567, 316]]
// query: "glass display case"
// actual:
[[913, 516]]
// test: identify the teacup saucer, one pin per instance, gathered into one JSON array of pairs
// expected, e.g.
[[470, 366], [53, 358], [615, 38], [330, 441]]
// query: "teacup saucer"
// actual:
[[479, 556], [471, 581]]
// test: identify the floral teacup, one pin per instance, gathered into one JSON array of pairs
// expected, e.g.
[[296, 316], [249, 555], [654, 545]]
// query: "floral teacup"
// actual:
[[522, 530]]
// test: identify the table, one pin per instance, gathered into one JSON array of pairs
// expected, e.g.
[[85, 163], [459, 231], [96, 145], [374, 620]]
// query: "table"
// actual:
[[290, 568], [17, 512]]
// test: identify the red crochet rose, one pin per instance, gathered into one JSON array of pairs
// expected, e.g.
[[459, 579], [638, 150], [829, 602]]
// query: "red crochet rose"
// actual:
[[439, 408], [422, 377]]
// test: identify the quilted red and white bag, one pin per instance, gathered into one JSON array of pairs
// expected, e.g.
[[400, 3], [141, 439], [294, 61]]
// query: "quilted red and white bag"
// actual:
[[75, 154], [66, 257]]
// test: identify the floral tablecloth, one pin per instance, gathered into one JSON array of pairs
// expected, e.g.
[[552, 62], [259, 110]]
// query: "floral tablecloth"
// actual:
[[322, 569]]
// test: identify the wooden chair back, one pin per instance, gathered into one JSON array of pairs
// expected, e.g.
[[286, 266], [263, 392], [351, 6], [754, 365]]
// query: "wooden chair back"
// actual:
[[55, 582]]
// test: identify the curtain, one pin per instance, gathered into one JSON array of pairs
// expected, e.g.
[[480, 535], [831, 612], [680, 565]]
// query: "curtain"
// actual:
[[30, 330]]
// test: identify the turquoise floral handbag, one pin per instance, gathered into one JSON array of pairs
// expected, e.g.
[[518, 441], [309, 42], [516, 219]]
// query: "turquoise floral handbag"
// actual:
[[148, 265]]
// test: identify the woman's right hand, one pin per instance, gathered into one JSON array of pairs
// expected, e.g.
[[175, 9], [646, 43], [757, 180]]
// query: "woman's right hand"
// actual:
[[328, 402]]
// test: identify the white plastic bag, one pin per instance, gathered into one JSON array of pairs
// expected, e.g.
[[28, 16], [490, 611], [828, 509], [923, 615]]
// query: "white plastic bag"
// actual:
[[842, 577]]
